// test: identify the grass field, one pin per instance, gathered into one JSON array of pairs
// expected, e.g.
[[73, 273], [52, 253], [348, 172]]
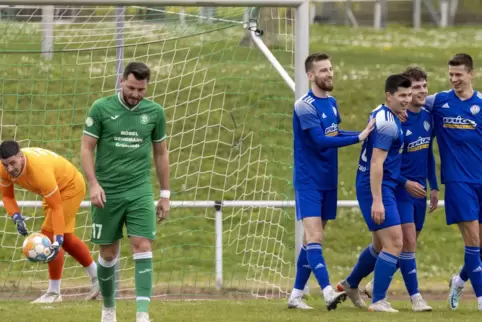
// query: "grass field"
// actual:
[[229, 310], [229, 128]]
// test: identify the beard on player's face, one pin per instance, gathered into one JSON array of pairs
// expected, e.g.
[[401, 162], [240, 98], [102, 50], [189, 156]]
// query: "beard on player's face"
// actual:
[[129, 99], [325, 84]]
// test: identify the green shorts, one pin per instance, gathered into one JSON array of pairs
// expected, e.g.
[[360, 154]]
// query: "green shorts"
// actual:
[[138, 213]]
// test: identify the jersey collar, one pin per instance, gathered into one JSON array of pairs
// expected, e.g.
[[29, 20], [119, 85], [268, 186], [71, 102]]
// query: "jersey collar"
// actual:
[[121, 101], [465, 100]]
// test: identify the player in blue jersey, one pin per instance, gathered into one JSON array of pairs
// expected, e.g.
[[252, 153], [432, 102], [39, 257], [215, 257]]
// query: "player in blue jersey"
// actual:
[[458, 127], [376, 182], [316, 142], [418, 165]]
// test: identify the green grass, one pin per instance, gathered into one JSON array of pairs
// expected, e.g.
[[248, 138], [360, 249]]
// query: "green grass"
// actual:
[[225, 310], [229, 128]]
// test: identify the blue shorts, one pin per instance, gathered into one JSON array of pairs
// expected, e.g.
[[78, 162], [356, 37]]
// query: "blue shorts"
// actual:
[[411, 209], [365, 200], [463, 202], [316, 203]]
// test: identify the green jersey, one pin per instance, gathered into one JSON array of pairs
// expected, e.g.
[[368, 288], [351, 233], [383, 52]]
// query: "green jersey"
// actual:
[[124, 140]]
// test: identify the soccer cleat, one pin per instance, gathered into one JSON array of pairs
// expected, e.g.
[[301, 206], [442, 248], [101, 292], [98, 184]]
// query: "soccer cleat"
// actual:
[[352, 293], [334, 299], [420, 305], [298, 303], [48, 298], [454, 294], [142, 317], [369, 289], [94, 291], [381, 306], [108, 314]]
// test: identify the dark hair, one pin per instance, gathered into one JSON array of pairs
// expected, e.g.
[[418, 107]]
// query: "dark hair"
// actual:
[[138, 69], [462, 59], [395, 81], [9, 148], [313, 58], [415, 73]]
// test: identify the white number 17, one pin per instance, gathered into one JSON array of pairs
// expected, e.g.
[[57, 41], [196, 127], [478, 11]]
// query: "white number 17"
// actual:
[[96, 231]]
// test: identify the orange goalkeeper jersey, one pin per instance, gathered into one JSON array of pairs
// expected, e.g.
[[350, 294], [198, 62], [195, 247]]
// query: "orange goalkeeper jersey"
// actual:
[[47, 174]]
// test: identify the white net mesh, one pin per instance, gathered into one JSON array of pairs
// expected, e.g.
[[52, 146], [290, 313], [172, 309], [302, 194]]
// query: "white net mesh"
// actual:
[[229, 124]]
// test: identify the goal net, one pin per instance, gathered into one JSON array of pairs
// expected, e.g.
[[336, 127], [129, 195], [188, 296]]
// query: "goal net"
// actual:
[[229, 136]]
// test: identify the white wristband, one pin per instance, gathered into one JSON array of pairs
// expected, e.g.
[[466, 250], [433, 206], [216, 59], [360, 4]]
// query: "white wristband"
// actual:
[[165, 194]]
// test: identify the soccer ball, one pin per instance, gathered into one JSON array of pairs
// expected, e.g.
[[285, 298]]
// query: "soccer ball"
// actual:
[[36, 247]]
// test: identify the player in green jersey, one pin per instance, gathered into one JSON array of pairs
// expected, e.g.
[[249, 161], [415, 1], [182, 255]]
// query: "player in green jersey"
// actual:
[[124, 128]]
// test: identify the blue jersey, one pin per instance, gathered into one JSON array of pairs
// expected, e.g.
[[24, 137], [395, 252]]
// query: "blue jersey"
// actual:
[[458, 128], [315, 164], [418, 162], [388, 136]]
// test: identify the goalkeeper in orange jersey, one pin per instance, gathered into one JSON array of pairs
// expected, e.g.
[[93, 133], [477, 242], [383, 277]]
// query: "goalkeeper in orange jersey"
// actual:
[[62, 187]]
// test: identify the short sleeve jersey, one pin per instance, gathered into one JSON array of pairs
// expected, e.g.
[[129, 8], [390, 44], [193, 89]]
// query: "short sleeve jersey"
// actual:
[[458, 128], [418, 130], [387, 136], [125, 136]]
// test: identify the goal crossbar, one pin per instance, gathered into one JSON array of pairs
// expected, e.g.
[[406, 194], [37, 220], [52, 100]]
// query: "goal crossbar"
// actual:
[[178, 3], [217, 203]]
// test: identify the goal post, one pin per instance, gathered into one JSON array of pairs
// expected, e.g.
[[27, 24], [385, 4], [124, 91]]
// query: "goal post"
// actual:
[[223, 101]]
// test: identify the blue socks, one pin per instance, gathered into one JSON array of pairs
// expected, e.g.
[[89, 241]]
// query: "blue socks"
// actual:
[[473, 267], [364, 266], [385, 268], [303, 270], [317, 264], [408, 268], [463, 273]]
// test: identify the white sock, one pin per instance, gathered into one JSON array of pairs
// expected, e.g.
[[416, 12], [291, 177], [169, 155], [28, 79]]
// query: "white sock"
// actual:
[[459, 282], [296, 293], [414, 296], [479, 299], [92, 270], [327, 291], [54, 286]]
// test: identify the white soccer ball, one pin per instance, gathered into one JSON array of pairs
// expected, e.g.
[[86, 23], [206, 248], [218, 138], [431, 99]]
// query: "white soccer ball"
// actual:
[[36, 247]]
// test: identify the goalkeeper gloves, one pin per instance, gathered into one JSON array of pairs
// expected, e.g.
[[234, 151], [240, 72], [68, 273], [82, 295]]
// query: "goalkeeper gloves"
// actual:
[[55, 247], [20, 223]]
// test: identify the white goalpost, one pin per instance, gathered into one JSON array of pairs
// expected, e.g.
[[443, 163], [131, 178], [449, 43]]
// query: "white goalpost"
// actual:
[[228, 89]]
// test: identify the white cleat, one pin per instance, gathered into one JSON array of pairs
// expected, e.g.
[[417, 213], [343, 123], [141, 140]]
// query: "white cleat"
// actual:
[[334, 299], [48, 298], [454, 294], [420, 305], [298, 303], [369, 289], [94, 291], [142, 317], [352, 293], [108, 314], [381, 306]]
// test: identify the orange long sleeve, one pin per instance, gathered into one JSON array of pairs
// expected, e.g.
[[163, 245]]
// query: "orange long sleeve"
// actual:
[[9, 202]]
